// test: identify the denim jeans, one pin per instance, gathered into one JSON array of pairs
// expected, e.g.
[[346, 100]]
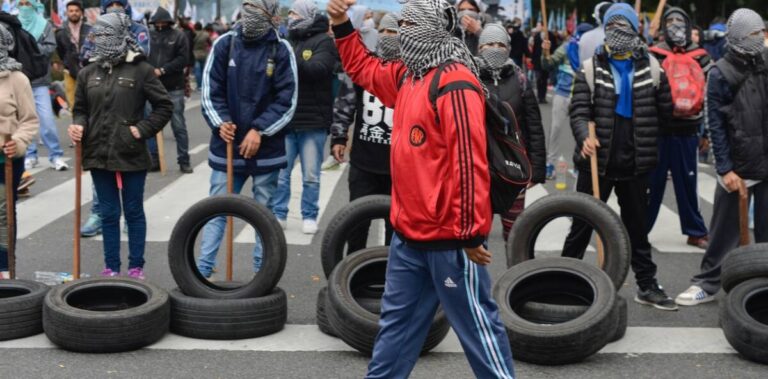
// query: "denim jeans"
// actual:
[[308, 146], [213, 232], [18, 169], [48, 132], [199, 65], [179, 127], [132, 195]]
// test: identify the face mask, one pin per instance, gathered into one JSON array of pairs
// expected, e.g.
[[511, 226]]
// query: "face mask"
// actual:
[[495, 56], [677, 34], [388, 48], [620, 40], [115, 10], [472, 14], [369, 23], [255, 22], [751, 45], [27, 12]]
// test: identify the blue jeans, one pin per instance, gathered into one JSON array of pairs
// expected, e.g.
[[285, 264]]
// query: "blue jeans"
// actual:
[[48, 132], [18, 169], [199, 65], [179, 127], [213, 232], [308, 146], [110, 209]]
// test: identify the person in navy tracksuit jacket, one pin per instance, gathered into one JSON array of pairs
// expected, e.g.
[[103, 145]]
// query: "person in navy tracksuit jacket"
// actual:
[[249, 96]]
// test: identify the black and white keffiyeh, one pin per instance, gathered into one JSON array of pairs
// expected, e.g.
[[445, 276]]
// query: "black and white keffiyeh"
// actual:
[[257, 18], [741, 26], [621, 38], [426, 39], [6, 45], [112, 39], [388, 47]]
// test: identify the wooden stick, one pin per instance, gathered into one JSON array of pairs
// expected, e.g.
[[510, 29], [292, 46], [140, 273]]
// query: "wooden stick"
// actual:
[[230, 221], [656, 22], [161, 152], [544, 19], [596, 193], [10, 214], [78, 210], [744, 238], [638, 5]]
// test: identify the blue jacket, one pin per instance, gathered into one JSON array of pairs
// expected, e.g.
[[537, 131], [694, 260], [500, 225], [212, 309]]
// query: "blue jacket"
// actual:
[[238, 87], [719, 95]]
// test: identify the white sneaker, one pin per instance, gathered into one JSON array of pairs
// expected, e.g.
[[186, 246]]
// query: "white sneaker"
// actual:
[[283, 223], [5, 275], [60, 165], [694, 295], [330, 163], [309, 227], [30, 163]]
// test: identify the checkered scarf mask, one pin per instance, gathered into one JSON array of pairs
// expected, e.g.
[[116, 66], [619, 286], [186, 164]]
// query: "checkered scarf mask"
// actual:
[[426, 40], [257, 18], [6, 44], [621, 38], [388, 47], [112, 39], [742, 23]]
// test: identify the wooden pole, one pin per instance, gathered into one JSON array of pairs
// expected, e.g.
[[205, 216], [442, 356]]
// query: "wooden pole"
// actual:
[[638, 5], [161, 153], [10, 214], [596, 193], [230, 221], [744, 239], [78, 210], [656, 22], [545, 27]]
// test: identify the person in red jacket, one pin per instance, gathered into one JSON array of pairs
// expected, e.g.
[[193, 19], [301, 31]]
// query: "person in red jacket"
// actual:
[[441, 212]]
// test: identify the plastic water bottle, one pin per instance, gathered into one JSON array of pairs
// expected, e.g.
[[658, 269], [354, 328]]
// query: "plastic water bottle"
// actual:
[[55, 278], [561, 174]]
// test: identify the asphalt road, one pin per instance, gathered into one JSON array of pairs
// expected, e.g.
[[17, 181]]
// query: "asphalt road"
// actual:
[[49, 249]]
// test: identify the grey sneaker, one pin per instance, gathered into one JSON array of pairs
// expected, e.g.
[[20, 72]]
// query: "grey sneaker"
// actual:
[[694, 295], [656, 297]]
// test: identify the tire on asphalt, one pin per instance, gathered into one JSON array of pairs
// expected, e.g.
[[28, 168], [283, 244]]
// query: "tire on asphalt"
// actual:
[[522, 238], [623, 310], [181, 248], [228, 319], [567, 342], [321, 315], [21, 308], [368, 208], [355, 325], [744, 319], [544, 313], [744, 263], [106, 315]]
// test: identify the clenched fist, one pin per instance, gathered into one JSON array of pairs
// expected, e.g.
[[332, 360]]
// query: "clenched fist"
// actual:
[[337, 10]]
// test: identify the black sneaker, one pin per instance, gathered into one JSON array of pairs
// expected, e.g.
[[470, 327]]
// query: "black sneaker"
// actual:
[[185, 168], [655, 297], [155, 167]]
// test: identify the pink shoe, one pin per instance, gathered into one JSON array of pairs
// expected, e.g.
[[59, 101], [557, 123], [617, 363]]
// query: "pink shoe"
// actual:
[[109, 273], [4, 275], [136, 273]]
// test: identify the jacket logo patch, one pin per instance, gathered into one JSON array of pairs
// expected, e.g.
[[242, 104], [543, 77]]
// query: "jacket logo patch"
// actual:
[[417, 136], [306, 54]]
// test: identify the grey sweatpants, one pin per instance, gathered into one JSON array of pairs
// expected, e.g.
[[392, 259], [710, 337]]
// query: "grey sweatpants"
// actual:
[[724, 232], [561, 127]]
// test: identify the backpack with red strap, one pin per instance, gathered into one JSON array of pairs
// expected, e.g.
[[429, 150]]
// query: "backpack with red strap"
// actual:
[[686, 80]]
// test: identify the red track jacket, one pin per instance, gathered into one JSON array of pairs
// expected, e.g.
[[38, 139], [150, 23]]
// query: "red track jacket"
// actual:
[[440, 180]]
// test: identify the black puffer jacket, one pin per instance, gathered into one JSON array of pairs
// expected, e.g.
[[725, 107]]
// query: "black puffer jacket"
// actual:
[[652, 107], [108, 102], [514, 89], [316, 59]]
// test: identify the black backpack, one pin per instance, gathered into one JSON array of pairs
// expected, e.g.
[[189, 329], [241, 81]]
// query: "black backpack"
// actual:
[[508, 163], [33, 63]]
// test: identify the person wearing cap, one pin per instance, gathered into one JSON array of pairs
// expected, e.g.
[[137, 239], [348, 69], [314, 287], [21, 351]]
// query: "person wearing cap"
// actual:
[[567, 62], [169, 54], [21, 123], [250, 90], [369, 172], [735, 90], [316, 58], [628, 98], [679, 140], [69, 39], [441, 212], [506, 82], [110, 122]]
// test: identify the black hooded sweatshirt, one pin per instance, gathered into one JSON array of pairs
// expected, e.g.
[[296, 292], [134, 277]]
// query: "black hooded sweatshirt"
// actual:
[[169, 51]]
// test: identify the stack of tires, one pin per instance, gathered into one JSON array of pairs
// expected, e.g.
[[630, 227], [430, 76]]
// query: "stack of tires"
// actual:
[[227, 310], [562, 310], [21, 308], [744, 310], [349, 308]]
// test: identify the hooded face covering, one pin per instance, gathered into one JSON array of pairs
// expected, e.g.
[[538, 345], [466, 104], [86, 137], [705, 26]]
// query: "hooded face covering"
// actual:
[[741, 36], [31, 19], [112, 39], [306, 10], [257, 18], [6, 45], [620, 37], [388, 47], [426, 40], [676, 29]]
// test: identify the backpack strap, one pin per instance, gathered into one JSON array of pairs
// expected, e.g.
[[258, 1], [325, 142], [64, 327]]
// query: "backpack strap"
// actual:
[[589, 75], [696, 54], [435, 91], [655, 71]]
